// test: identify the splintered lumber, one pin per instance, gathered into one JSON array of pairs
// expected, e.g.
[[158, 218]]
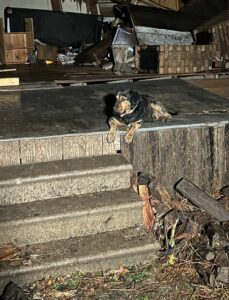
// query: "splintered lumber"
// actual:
[[9, 81], [202, 200], [148, 217]]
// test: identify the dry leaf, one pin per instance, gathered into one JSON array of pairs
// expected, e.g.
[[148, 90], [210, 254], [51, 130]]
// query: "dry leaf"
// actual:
[[8, 251], [122, 270], [148, 217]]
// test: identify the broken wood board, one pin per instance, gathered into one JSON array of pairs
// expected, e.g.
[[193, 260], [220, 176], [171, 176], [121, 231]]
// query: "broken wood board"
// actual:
[[9, 81], [202, 200]]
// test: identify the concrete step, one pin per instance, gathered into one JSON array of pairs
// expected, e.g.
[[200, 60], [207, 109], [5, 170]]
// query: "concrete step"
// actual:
[[55, 219], [90, 253], [27, 183], [34, 147]]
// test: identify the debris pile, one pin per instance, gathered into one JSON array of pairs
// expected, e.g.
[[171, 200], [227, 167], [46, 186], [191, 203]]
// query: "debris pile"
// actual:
[[165, 37], [193, 229]]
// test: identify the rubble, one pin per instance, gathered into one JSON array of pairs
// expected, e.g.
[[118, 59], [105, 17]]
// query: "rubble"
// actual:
[[195, 233]]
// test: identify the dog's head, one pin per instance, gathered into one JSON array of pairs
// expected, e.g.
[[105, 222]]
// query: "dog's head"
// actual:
[[126, 100]]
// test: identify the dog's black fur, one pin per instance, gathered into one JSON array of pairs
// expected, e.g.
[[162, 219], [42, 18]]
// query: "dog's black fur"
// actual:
[[139, 109], [140, 104]]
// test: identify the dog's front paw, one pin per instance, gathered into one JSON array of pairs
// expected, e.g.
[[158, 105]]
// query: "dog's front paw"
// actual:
[[165, 118], [111, 137], [128, 138]]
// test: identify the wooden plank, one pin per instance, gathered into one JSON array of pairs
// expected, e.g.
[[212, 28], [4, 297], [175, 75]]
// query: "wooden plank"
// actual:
[[226, 177], [201, 154], [206, 169], [142, 159], [29, 25], [2, 44], [9, 153], [220, 161], [9, 81], [17, 56], [15, 40], [196, 155], [181, 155], [7, 70], [82, 146], [30, 32], [56, 5], [202, 200], [41, 150], [154, 137], [167, 158]]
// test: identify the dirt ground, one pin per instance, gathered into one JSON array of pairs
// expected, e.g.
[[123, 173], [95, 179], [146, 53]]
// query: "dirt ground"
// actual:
[[143, 282]]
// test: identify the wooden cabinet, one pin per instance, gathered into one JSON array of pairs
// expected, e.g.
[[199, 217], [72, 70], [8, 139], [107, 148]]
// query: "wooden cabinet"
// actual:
[[16, 46]]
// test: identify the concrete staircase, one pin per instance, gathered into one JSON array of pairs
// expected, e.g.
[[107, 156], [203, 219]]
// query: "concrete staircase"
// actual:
[[70, 215]]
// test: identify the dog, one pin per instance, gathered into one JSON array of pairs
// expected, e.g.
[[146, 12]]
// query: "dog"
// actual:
[[131, 110]]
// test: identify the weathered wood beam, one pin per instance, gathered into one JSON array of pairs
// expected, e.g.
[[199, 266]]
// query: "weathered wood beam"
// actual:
[[56, 5], [202, 200]]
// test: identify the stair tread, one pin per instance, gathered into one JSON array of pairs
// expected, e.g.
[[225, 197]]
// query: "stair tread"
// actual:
[[78, 250], [65, 206], [54, 168]]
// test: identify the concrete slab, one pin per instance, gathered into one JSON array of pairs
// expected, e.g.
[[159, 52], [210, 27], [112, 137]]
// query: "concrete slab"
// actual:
[[60, 218], [53, 169], [92, 253], [86, 109], [49, 180]]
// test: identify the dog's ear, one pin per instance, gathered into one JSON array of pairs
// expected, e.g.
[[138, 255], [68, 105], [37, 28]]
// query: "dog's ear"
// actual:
[[122, 92], [134, 96]]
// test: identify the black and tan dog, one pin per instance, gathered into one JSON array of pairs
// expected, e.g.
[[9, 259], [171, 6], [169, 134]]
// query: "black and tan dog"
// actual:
[[131, 110]]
